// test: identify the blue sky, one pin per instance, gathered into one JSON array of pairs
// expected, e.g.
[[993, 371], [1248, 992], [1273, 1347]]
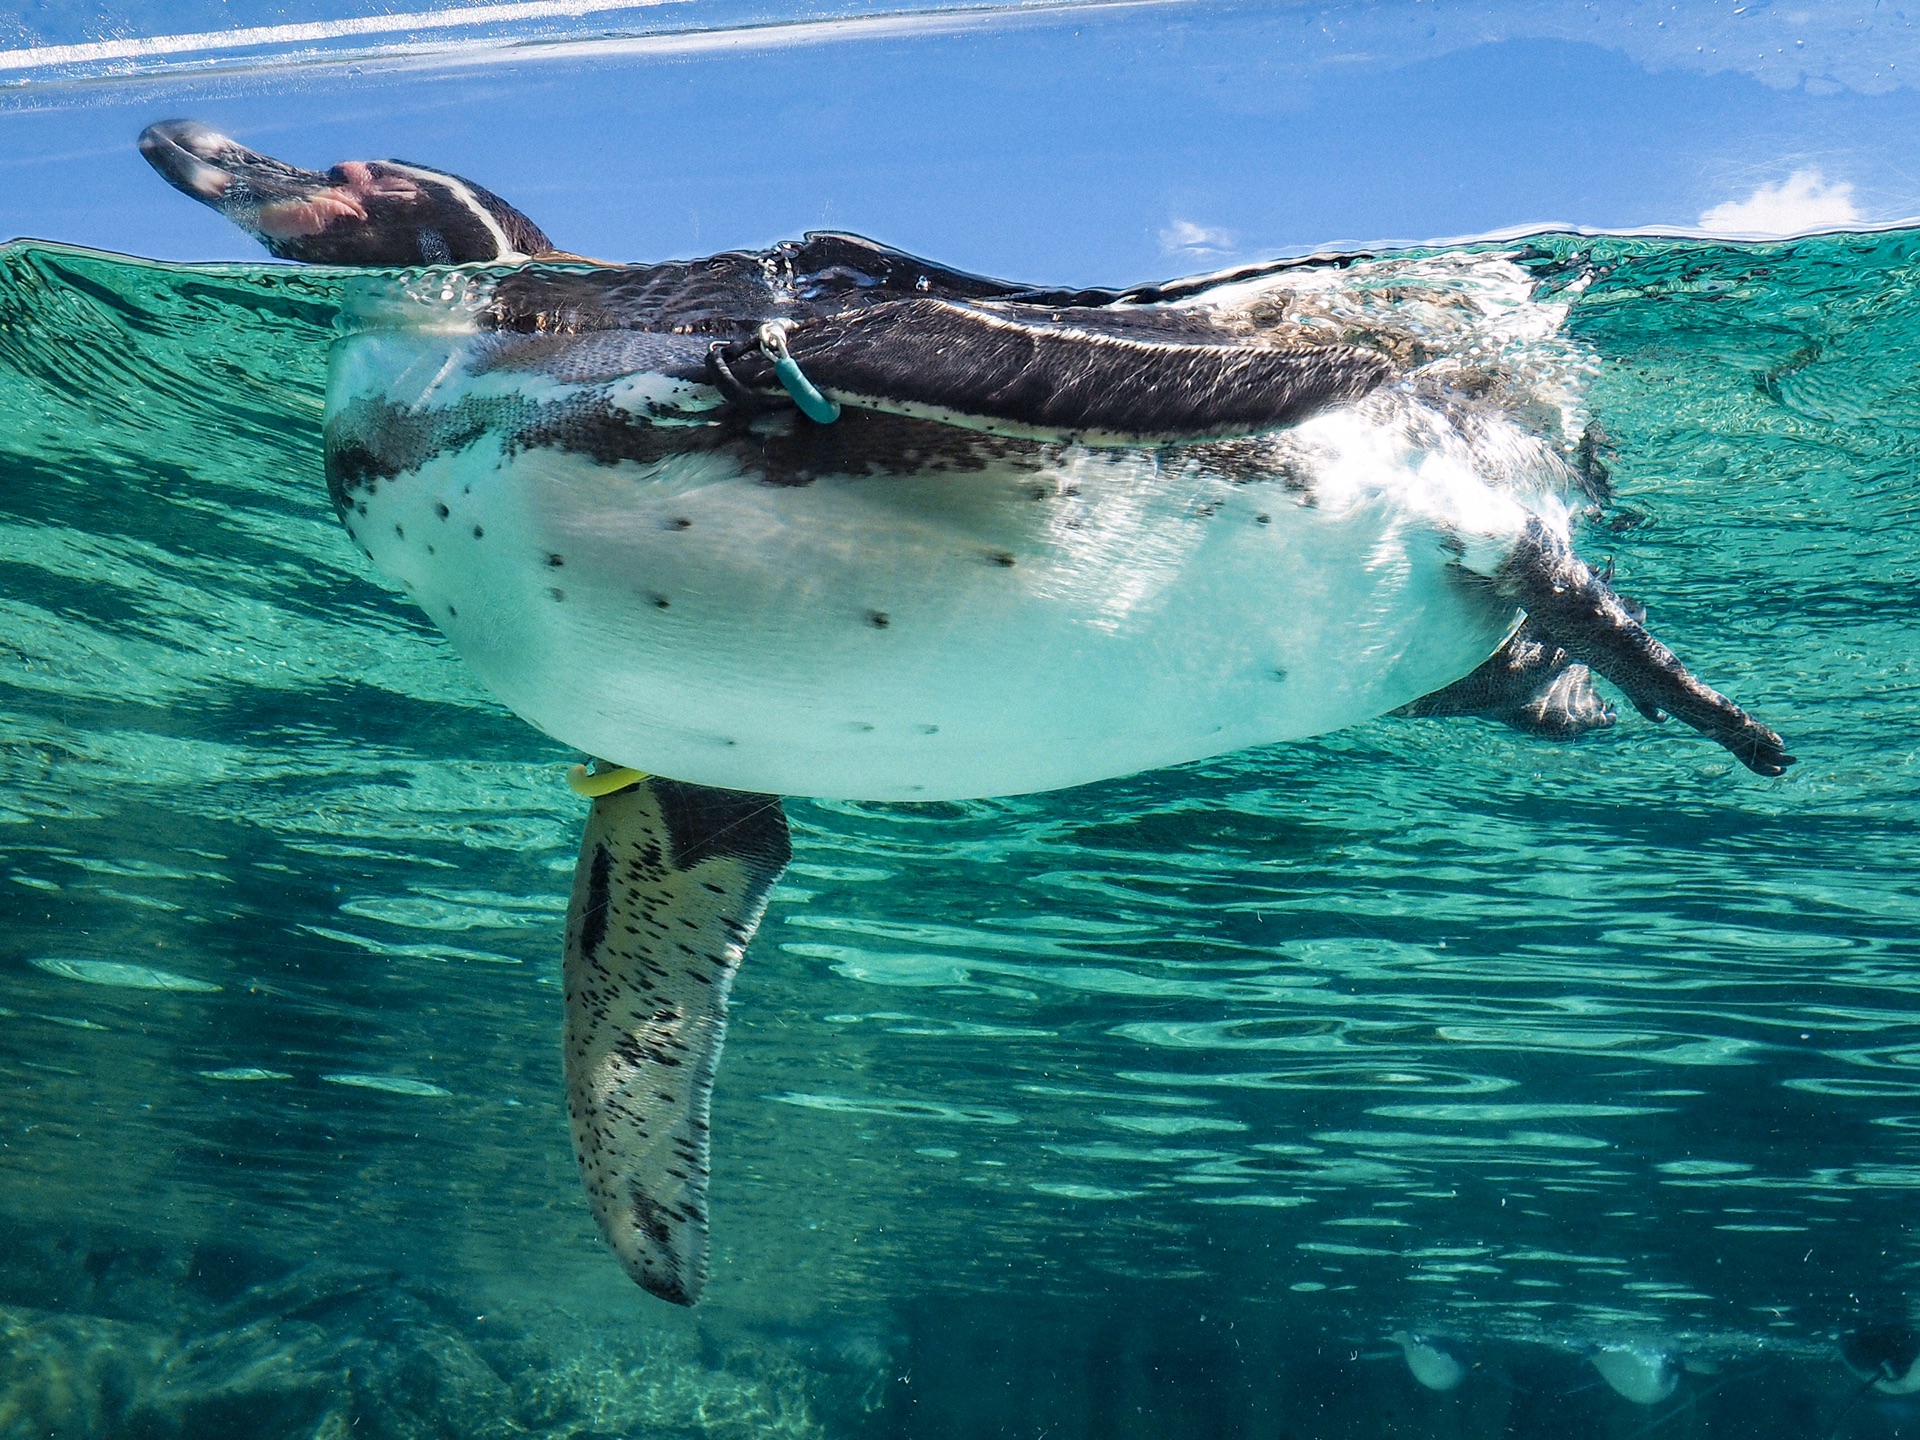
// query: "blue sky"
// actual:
[[1091, 146]]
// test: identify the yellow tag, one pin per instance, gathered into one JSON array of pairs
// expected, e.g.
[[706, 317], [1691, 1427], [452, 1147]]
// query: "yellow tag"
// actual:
[[582, 781]]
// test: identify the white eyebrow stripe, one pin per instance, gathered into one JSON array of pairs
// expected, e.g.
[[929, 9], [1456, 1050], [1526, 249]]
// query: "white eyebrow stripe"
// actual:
[[464, 194]]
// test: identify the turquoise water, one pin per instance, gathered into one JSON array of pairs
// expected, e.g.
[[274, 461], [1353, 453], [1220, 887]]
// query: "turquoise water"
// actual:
[[1152, 1107]]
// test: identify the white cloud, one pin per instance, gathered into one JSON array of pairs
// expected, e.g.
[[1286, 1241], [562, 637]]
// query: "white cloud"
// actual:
[[1803, 201], [1185, 237]]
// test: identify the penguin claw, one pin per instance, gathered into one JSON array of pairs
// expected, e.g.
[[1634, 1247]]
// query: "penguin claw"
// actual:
[[1754, 745]]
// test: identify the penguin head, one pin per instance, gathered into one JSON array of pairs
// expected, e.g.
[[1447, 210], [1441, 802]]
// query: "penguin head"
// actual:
[[361, 212]]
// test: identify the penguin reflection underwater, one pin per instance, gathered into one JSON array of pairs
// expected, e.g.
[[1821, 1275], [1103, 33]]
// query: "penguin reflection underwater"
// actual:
[[829, 520]]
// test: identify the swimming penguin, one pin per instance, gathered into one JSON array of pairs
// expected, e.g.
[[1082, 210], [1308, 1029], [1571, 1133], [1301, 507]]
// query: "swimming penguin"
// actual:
[[1433, 1361], [1643, 1374], [830, 520], [1885, 1355]]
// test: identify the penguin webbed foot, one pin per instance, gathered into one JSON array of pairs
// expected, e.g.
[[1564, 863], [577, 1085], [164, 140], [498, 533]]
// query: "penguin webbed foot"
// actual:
[[1566, 707], [672, 881], [1601, 629], [1531, 684]]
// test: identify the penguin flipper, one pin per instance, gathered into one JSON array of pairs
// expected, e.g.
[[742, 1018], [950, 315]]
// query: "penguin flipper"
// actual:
[[671, 884], [1092, 376]]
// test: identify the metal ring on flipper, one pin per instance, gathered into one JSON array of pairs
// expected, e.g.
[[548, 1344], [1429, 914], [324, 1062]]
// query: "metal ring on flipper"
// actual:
[[671, 884], [815, 406]]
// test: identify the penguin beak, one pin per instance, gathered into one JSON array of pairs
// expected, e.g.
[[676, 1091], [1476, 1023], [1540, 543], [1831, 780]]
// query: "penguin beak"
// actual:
[[183, 152], [222, 172]]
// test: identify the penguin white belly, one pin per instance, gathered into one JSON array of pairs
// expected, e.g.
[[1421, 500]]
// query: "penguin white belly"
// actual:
[[1026, 626]]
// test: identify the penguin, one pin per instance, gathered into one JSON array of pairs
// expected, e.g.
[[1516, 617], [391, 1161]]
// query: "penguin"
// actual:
[[831, 520]]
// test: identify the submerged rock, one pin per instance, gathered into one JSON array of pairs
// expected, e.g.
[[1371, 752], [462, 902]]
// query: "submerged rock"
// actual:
[[185, 1350], [74, 1376]]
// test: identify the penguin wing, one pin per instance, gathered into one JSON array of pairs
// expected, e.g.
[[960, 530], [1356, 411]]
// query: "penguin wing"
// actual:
[[1094, 376], [671, 884]]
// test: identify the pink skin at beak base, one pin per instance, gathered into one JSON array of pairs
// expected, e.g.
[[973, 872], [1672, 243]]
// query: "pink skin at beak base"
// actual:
[[293, 219]]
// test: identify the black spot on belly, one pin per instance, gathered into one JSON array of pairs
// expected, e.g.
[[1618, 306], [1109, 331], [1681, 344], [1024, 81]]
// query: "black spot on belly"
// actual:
[[879, 619]]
